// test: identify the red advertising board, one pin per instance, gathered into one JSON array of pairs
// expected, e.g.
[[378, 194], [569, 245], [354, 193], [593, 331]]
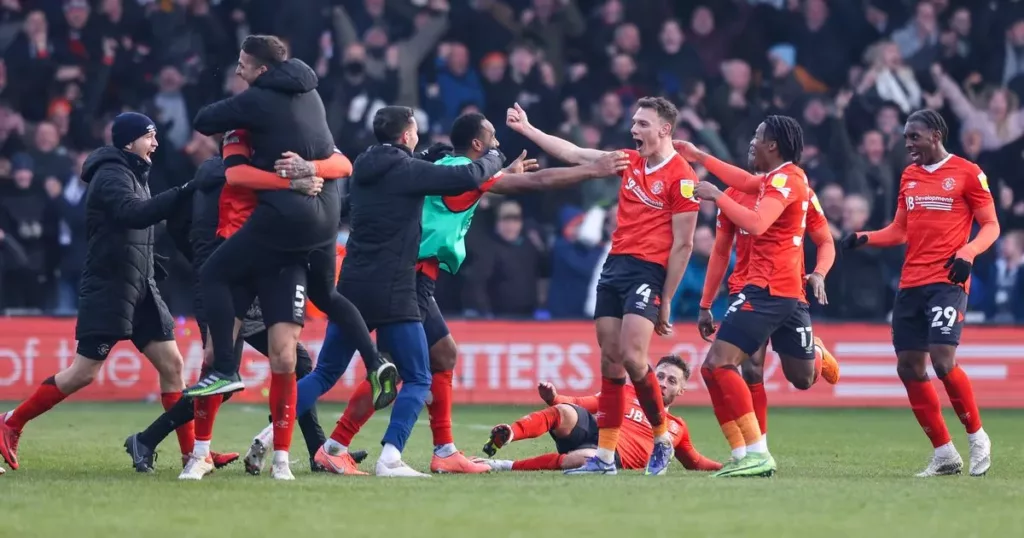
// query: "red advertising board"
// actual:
[[502, 362]]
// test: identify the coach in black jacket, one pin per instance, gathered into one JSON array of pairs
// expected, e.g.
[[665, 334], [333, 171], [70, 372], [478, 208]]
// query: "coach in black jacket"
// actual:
[[387, 188], [118, 299]]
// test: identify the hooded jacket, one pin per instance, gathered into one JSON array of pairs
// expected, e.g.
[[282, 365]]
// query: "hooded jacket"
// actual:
[[119, 219], [282, 111], [386, 193]]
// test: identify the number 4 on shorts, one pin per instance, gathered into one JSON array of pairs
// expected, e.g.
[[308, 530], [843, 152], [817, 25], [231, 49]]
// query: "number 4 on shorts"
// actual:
[[644, 291]]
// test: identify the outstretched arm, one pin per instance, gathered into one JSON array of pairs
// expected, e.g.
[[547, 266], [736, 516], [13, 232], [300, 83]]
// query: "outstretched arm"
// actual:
[[609, 164], [235, 112], [427, 179], [754, 222], [893, 234], [558, 148], [690, 458], [732, 176], [116, 192]]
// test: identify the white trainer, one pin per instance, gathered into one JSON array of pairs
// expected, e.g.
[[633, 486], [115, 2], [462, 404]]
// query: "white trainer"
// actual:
[[254, 457], [398, 469], [197, 467], [943, 465], [281, 470], [981, 455]]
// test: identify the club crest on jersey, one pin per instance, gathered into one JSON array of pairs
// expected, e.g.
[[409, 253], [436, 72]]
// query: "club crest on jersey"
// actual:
[[948, 184], [686, 188], [657, 186]]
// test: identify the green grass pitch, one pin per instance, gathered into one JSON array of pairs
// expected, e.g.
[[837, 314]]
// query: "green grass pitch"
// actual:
[[841, 473]]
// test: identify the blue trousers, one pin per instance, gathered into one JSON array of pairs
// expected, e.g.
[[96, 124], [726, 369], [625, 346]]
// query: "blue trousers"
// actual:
[[407, 345]]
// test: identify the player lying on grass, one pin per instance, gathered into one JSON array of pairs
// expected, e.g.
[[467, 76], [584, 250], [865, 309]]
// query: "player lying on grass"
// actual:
[[571, 423]]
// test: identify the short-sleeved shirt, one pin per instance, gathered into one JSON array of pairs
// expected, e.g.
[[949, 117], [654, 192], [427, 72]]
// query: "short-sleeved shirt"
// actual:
[[649, 198], [940, 201]]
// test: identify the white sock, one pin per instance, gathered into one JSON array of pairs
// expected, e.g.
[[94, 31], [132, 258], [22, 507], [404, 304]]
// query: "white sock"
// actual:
[[739, 453], [760, 446], [945, 451], [334, 448], [605, 455], [503, 465], [445, 450], [390, 454], [980, 434], [281, 456], [201, 449], [764, 439]]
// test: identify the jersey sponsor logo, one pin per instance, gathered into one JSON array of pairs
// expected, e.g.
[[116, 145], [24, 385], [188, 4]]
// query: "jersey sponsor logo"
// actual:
[[657, 187], [983, 179], [641, 194], [948, 184], [935, 203], [686, 188]]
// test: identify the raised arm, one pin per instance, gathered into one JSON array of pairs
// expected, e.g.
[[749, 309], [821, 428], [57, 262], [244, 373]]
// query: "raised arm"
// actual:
[[558, 148], [772, 204], [732, 176], [122, 202]]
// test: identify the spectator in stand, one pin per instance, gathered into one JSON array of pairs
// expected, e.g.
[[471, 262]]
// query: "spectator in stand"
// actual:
[[28, 216], [573, 257], [686, 303], [1000, 121], [70, 203], [1001, 288], [854, 292]]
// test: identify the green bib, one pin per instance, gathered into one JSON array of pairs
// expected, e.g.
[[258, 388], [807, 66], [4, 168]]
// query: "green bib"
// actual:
[[444, 230]]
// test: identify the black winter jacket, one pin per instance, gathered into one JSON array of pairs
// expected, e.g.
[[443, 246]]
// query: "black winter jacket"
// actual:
[[282, 111], [119, 223], [386, 193]]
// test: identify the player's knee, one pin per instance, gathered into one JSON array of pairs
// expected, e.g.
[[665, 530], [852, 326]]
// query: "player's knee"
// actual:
[[802, 382], [567, 420], [752, 372], [443, 355], [911, 370], [943, 359]]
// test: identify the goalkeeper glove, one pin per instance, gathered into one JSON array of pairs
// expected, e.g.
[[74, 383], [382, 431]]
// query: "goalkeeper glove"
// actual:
[[959, 269], [853, 240]]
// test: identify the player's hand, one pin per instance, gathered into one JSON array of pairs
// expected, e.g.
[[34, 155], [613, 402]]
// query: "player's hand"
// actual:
[[291, 166], [611, 163], [687, 150], [706, 190], [705, 324], [817, 284], [547, 392], [522, 164], [516, 119], [310, 186], [959, 268], [664, 325], [853, 240]]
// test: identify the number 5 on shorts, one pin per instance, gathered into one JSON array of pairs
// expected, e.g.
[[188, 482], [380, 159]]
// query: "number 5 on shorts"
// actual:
[[300, 296]]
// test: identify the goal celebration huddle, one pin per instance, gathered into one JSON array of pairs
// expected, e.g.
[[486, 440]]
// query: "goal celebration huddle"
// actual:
[[259, 223]]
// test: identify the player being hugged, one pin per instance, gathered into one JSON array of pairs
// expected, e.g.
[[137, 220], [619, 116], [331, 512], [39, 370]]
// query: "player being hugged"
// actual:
[[772, 305], [650, 249], [940, 195]]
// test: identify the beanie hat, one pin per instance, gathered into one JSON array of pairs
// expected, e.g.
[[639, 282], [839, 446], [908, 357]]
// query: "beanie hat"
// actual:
[[128, 126]]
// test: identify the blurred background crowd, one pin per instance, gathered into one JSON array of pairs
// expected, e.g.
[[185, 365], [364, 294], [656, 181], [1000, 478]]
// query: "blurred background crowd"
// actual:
[[849, 70]]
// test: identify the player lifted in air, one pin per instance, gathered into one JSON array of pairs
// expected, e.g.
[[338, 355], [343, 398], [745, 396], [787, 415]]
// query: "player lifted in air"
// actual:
[[446, 220], [570, 422], [772, 303], [940, 196], [817, 229], [650, 249]]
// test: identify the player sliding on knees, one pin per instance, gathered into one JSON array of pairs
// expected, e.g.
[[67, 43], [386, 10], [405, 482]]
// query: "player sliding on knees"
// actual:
[[940, 197], [825, 365], [571, 423], [772, 305], [650, 249], [445, 221]]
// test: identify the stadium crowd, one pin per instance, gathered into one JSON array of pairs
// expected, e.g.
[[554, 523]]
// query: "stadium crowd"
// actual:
[[850, 70]]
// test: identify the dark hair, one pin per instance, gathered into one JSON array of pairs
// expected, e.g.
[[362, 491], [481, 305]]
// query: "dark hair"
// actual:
[[932, 120], [678, 362], [266, 49], [663, 107], [465, 130], [390, 122], [787, 134]]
